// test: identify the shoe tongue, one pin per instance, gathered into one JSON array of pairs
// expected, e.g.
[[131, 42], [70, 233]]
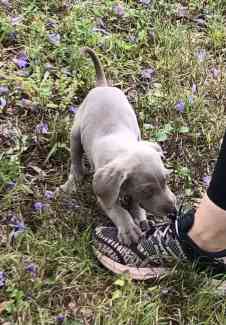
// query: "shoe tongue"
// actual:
[[184, 223]]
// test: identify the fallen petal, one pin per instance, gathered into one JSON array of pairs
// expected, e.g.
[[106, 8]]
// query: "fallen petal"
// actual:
[[4, 90], [2, 102], [201, 55], [194, 88], [16, 20], [118, 9], [148, 73]]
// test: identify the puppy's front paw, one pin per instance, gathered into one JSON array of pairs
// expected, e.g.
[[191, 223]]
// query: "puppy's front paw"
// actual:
[[144, 225], [130, 235]]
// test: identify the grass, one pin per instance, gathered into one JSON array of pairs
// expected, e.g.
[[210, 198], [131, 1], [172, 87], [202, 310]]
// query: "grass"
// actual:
[[184, 47]]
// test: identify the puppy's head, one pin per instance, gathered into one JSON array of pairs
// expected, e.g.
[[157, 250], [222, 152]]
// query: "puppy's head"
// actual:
[[140, 174]]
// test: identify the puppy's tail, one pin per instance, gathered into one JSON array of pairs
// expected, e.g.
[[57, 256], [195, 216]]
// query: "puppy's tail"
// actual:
[[100, 75]]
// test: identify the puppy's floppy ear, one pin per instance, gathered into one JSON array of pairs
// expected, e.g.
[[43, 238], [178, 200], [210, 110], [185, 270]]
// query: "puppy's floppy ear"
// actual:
[[155, 146], [107, 182]]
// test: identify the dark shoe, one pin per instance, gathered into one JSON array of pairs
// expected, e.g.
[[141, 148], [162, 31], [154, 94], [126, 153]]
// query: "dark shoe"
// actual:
[[163, 246]]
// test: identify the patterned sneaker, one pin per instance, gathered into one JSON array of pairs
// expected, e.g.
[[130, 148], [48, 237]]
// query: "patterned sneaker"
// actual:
[[163, 246]]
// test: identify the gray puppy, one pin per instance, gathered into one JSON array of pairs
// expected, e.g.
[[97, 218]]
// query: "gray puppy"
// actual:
[[106, 129]]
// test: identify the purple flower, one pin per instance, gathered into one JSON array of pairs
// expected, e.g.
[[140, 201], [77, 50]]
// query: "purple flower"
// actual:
[[49, 195], [54, 38], [73, 109], [2, 279], [42, 128], [60, 318], [201, 55], [16, 20], [215, 72], [4, 90], [194, 88], [180, 106], [25, 103], [2, 102], [33, 269], [16, 223], [21, 61], [18, 227], [148, 73], [118, 9], [145, 2], [206, 180], [38, 206]]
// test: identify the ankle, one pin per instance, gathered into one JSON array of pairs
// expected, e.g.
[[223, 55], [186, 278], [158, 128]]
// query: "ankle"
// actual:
[[209, 242], [209, 228]]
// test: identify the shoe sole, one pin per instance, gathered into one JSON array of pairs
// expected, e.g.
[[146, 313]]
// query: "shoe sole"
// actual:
[[135, 273]]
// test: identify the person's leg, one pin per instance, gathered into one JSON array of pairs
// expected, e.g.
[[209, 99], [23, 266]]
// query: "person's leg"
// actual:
[[209, 228]]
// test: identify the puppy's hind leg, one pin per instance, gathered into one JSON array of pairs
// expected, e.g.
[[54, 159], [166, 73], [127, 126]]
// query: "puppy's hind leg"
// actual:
[[76, 170]]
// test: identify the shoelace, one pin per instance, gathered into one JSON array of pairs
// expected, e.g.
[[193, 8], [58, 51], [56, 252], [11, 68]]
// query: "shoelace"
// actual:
[[169, 228], [163, 230]]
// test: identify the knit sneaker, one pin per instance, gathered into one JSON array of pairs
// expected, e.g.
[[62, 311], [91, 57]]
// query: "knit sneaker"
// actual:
[[162, 247]]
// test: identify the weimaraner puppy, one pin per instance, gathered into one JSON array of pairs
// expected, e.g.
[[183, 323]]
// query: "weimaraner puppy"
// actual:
[[106, 129]]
